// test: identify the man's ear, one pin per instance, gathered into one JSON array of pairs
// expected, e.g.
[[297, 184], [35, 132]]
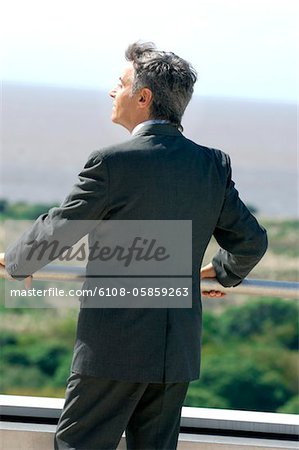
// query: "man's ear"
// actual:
[[145, 97]]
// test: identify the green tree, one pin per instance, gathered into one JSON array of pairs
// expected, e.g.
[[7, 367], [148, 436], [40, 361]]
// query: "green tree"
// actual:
[[237, 376], [263, 316], [291, 406]]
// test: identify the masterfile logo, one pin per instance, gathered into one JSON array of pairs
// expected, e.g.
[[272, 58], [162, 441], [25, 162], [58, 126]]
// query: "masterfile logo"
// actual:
[[129, 263]]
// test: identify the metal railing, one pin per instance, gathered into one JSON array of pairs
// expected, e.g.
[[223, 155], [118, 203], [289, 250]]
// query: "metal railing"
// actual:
[[249, 286], [193, 420]]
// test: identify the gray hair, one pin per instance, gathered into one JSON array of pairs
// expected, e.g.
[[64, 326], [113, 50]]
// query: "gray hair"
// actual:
[[169, 77]]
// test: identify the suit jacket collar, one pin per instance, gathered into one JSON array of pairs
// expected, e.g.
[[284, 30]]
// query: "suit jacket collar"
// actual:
[[166, 129]]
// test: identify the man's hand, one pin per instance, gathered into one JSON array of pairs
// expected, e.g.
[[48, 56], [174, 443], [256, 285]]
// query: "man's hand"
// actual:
[[208, 271], [27, 280]]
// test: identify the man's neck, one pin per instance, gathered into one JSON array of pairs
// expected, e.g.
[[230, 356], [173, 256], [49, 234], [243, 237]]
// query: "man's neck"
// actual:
[[147, 122]]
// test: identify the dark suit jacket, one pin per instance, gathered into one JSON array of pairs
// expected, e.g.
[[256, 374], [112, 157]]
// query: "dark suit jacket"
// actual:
[[157, 174]]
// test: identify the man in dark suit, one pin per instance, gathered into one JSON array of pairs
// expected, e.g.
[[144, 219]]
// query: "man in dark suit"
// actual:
[[131, 366]]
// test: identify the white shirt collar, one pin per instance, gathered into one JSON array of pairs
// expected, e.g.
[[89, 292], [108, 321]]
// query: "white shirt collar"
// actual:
[[147, 122]]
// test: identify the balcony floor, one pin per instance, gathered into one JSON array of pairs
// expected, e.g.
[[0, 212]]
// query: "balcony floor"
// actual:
[[28, 436]]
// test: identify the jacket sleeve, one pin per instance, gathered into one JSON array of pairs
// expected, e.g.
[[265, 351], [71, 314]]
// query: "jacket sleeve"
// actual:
[[62, 226], [242, 240]]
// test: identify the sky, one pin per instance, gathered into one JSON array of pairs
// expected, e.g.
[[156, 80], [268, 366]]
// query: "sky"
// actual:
[[240, 48]]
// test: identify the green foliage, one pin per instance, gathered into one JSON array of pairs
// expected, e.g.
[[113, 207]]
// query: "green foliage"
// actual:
[[235, 375], [211, 325], [21, 377], [62, 373], [249, 358], [200, 397], [7, 338], [3, 205], [275, 318], [38, 360], [290, 407], [46, 356], [22, 210], [283, 237]]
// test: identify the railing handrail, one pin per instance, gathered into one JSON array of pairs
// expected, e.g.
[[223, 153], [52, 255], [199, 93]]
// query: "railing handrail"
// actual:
[[192, 418], [249, 286]]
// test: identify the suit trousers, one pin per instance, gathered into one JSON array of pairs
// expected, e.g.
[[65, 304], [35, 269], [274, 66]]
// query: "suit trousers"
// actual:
[[97, 412]]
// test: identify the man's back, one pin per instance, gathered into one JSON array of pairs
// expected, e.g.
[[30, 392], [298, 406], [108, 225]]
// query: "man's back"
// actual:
[[159, 175]]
